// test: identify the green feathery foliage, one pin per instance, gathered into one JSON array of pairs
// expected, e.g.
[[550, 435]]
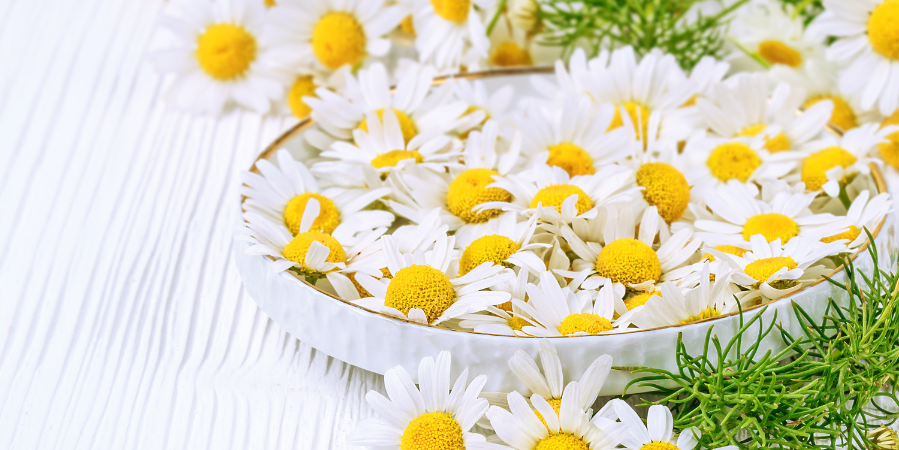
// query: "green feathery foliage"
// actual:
[[673, 26], [824, 389]]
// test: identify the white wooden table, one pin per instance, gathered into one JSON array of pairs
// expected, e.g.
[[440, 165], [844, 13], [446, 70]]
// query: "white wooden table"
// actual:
[[123, 321]]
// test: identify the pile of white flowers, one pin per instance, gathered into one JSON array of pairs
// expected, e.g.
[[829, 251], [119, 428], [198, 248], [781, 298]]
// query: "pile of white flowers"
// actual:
[[630, 194]]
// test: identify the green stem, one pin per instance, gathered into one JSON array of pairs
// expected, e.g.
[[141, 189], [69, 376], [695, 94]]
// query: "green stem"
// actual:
[[844, 197], [499, 10], [801, 7]]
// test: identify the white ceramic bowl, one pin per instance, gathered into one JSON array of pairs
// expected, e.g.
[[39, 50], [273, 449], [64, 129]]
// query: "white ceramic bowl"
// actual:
[[378, 342]]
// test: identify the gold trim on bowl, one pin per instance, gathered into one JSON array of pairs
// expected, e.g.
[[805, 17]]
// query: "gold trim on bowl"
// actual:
[[876, 174]]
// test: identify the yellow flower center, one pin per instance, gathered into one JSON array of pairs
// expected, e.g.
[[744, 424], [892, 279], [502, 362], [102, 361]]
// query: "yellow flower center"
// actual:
[[659, 445], [328, 215], [584, 322], [733, 161], [562, 441], [815, 167], [554, 195], [883, 29], [225, 51], [270, 3], [762, 269], [665, 188], [517, 323], [408, 26], [707, 313], [422, 287], [407, 125], [772, 226], [455, 11], [510, 54], [303, 86], [890, 151], [297, 248], [493, 248], [729, 249], [338, 39], [851, 234], [575, 160], [393, 157], [432, 431], [469, 189], [776, 52], [638, 113], [640, 299], [556, 403], [778, 143], [842, 116], [628, 261]]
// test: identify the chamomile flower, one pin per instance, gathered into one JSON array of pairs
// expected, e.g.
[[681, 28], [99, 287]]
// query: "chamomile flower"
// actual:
[[282, 195], [572, 137], [330, 34], [865, 212], [482, 104], [369, 92], [511, 46], [671, 306], [611, 249], [658, 432], [430, 415], [768, 31], [832, 160], [867, 45], [639, 88], [711, 162], [450, 33], [422, 292], [889, 151], [783, 215], [506, 319], [562, 312], [457, 193], [543, 427], [382, 147], [740, 107], [547, 380], [505, 241], [553, 195], [777, 270], [221, 55]]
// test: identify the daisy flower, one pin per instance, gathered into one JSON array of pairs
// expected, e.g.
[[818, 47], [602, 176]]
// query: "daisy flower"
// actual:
[[508, 243], [419, 110], [282, 195], [777, 270], [450, 33], [422, 292], [431, 415], [549, 382], [740, 107], [382, 147], [889, 151], [465, 187], [221, 55], [712, 161], [777, 215], [563, 312], [638, 88], [330, 34], [511, 46], [571, 136], [554, 195], [482, 104], [865, 212], [658, 432], [832, 160], [527, 428], [867, 45], [610, 248], [506, 319], [768, 36], [671, 306]]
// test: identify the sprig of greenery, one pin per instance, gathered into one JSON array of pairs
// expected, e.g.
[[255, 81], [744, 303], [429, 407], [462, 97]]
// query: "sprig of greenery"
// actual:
[[673, 26], [822, 390], [807, 9]]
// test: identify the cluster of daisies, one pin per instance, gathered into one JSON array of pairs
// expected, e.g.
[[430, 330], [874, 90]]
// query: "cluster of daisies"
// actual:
[[551, 414], [629, 195]]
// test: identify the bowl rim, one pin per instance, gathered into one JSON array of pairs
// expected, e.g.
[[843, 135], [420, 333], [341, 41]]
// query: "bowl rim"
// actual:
[[278, 143]]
